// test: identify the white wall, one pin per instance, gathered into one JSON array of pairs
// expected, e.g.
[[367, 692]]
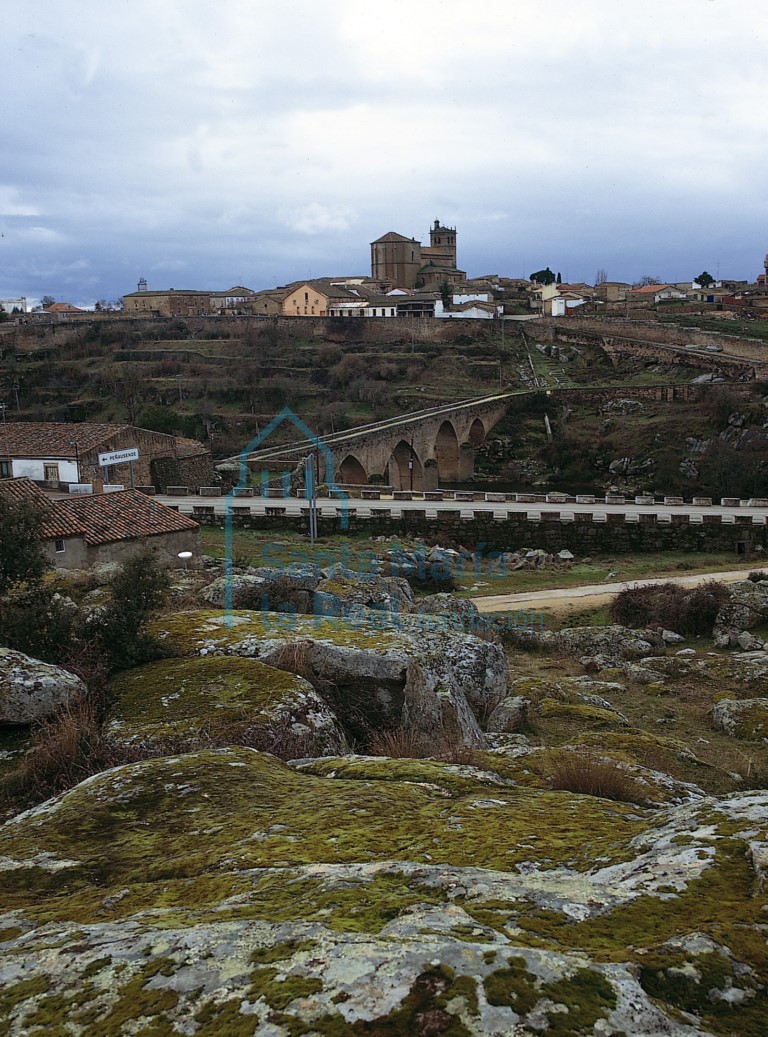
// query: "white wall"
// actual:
[[34, 468]]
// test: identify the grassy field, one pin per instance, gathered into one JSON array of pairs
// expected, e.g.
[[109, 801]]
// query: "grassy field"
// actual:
[[483, 577]]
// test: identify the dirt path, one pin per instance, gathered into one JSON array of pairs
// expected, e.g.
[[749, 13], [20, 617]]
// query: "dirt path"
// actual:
[[593, 596]]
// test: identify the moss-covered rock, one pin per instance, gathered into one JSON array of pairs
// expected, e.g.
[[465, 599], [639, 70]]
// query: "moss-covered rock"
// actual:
[[742, 718], [225, 893], [375, 670], [33, 690], [178, 702]]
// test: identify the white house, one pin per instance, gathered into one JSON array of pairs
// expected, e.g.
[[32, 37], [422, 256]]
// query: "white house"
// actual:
[[9, 305]]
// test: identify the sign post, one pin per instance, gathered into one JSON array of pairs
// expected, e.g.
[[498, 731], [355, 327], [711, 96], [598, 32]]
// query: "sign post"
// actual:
[[130, 455]]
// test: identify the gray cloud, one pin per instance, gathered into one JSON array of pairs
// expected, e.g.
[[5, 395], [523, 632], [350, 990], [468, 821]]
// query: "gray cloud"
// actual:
[[201, 144]]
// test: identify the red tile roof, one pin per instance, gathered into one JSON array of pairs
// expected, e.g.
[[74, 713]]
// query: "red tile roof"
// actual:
[[648, 289], [56, 524], [98, 518], [53, 438], [124, 515]]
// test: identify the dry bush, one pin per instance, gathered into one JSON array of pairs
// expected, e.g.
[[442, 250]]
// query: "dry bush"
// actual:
[[688, 612], [295, 657], [405, 744], [65, 749], [590, 775], [398, 742]]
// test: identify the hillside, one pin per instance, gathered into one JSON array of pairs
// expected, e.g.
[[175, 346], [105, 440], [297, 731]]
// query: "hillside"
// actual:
[[221, 380]]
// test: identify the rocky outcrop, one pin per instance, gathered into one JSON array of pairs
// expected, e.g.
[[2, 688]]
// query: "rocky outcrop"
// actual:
[[611, 643], [510, 715], [335, 595], [235, 895], [32, 690], [189, 703], [747, 608], [742, 718], [374, 670]]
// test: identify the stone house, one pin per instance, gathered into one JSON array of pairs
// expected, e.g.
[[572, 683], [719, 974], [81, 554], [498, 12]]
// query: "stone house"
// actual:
[[58, 454], [80, 532], [171, 302], [322, 299]]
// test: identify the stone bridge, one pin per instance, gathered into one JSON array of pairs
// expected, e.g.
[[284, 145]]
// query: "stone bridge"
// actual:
[[418, 451], [724, 355]]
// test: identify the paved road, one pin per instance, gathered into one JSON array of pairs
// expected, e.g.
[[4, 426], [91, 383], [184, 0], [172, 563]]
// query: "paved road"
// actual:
[[591, 594]]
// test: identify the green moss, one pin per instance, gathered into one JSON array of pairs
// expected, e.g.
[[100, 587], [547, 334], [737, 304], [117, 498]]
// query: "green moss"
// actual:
[[279, 993], [703, 985], [15, 994], [173, 697], [513, 987], [225, 1020], [281, 951], [452, 778], [751, 721], [177, 820], [594, 716], [135, 1000], [587, 995], [185, 633]]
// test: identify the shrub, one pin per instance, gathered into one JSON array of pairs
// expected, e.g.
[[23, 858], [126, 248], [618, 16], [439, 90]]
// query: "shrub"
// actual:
[[138, 590], [65, 749], [688, 612], [38, 621], [590, 775]]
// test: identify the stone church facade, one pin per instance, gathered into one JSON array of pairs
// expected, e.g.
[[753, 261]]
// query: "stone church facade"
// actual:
[[406, 263]]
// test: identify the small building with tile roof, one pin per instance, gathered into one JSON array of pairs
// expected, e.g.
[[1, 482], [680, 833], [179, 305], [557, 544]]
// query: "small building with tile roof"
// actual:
[[57, 453], [80, 532]]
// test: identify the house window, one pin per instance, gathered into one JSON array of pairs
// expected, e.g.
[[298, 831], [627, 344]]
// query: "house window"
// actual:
[[51, 472], [5, 470], [59, 547]]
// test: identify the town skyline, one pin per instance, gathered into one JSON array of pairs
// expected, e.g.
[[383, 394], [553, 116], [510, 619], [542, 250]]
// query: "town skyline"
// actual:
[[264, 145]]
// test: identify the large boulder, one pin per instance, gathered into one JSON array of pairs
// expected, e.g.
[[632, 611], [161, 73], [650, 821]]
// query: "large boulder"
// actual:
[[225, 893], [375, 670], [742, 718], [611, 643], [32, 690], [746, 608], [338, 594], [265, 588], [187, 703]]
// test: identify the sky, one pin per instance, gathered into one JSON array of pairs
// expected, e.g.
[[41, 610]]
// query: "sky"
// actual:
[[211, 143]]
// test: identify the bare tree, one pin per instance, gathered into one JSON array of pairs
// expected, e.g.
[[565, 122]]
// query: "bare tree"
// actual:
[[601, 276]]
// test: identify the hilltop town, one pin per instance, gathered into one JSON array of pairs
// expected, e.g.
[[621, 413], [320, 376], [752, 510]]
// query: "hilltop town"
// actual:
[[409, 279]]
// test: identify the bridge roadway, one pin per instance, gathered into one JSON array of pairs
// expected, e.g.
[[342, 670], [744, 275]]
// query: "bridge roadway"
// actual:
[[329, 507]]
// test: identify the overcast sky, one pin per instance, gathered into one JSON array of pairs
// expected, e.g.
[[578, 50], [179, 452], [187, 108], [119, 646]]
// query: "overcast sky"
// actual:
[[209, 143]]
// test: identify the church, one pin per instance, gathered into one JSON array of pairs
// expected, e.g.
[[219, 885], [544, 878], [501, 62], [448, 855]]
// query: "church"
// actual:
[[406, 263]]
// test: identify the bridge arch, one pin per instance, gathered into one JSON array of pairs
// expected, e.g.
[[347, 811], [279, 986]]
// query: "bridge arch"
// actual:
[[447, 453], [477, 433], [352, 471], [404, 469]]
